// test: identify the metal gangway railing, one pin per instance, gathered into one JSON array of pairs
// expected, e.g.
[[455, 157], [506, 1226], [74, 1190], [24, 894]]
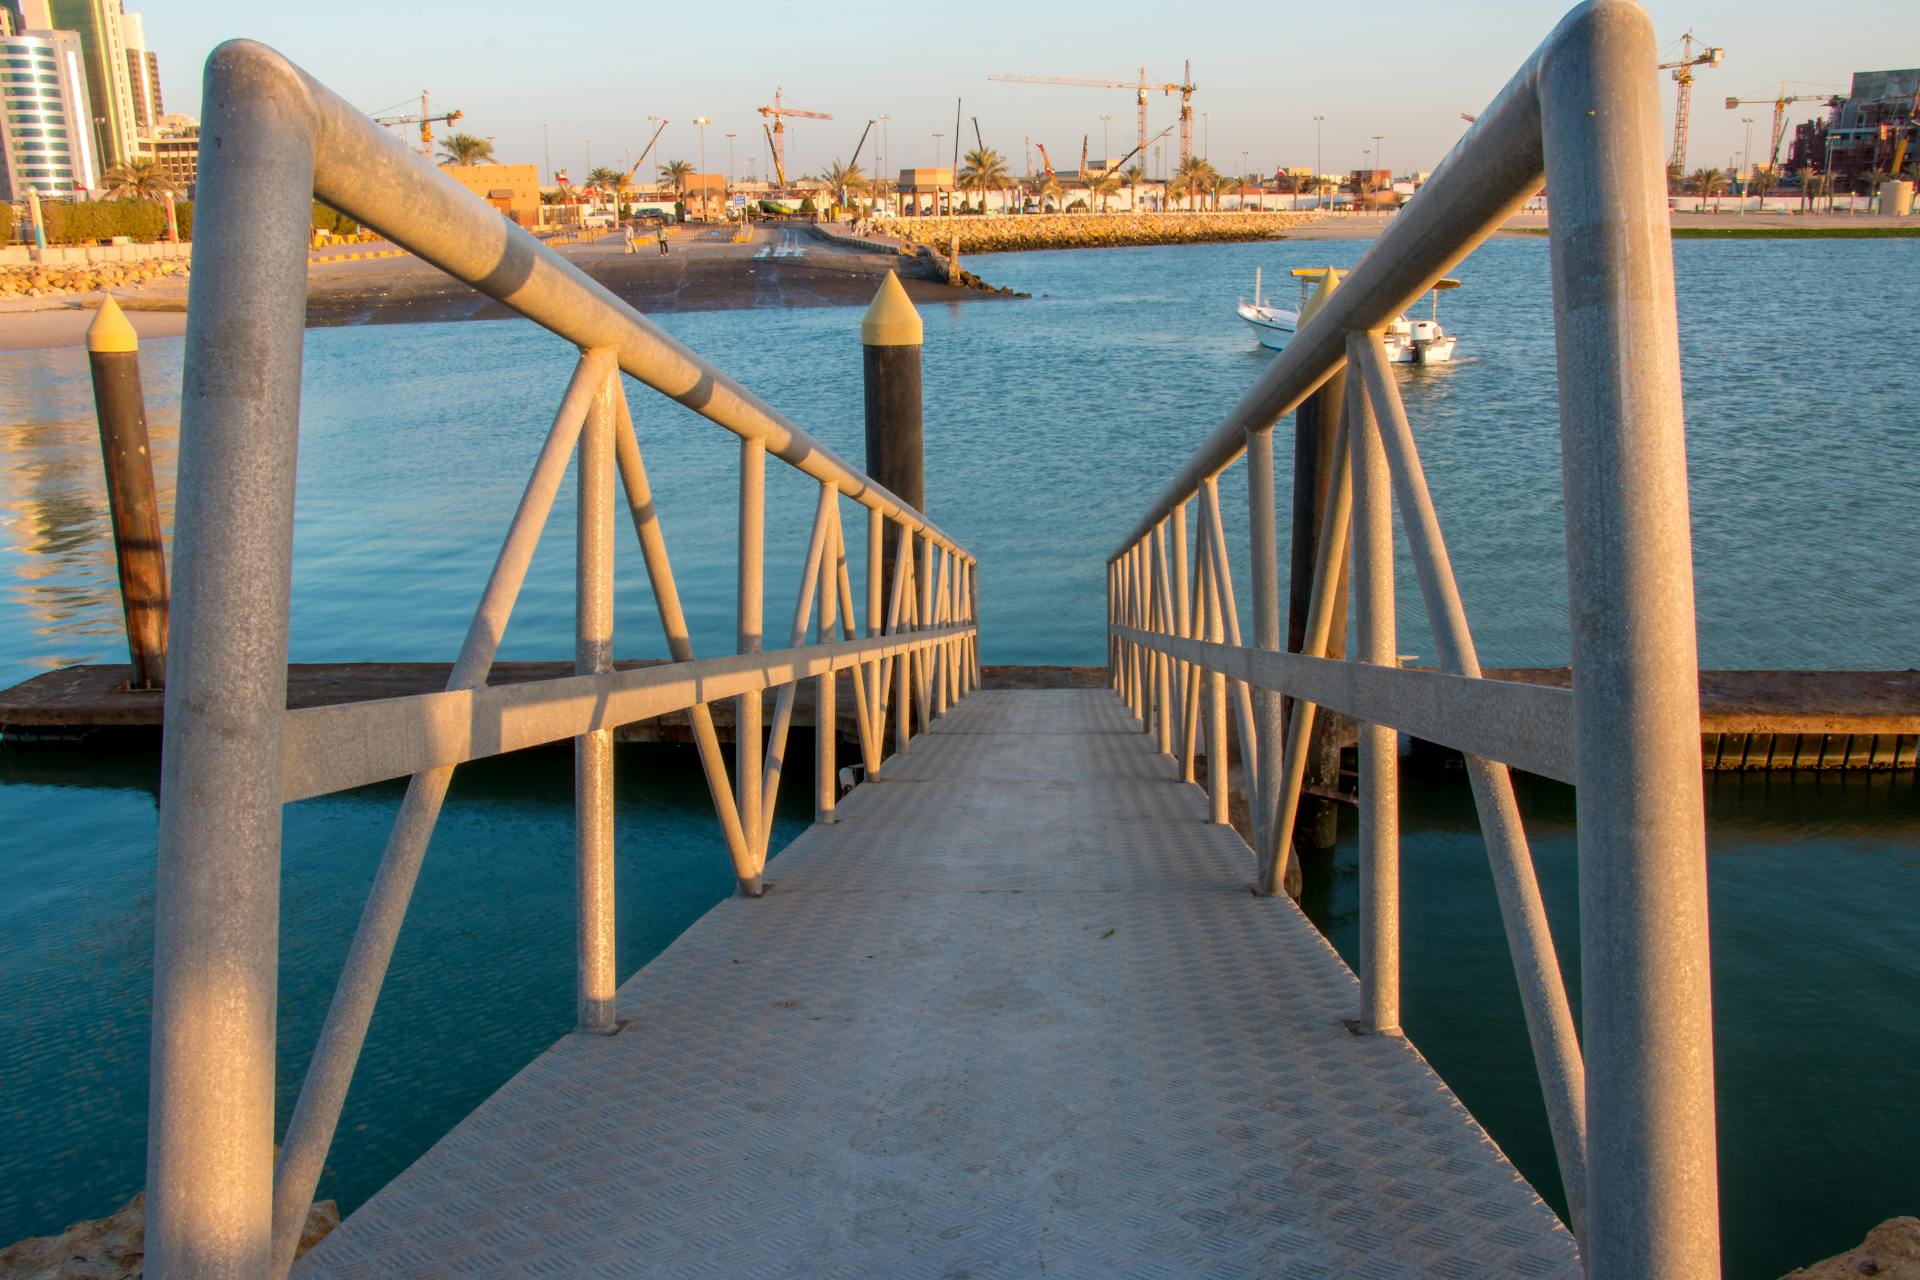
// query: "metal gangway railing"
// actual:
[[1633, 1118], [272, 140]]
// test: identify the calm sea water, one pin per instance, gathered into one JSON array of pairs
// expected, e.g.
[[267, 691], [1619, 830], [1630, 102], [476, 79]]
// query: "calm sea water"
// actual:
[[1050, 424]]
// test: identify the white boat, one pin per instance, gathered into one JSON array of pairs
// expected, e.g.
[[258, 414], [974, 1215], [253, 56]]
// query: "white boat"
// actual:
[[1421, 341], [1407, 341], [1274, 325]]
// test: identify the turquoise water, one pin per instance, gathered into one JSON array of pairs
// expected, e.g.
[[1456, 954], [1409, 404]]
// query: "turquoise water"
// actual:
[[1051, 423]]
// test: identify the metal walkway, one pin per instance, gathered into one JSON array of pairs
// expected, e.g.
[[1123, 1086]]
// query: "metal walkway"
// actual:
[[1015, 1014]]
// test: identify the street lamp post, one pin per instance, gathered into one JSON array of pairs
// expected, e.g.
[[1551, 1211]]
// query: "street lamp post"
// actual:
[[886, 154], [705, 188], [546, 148], [1206, 134], [1380, 155], [1746, 161], [730, 138], [1106, 141], [1317, 122], [1244, 175]]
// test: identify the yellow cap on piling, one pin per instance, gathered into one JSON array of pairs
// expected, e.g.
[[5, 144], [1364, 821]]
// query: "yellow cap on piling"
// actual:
[[891, 321], [1329, 281], [110, 330]]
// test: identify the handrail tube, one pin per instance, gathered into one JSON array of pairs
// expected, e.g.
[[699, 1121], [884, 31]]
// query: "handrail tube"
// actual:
[[1528, 726], [371, 176], [335, 748], [1493, 170]]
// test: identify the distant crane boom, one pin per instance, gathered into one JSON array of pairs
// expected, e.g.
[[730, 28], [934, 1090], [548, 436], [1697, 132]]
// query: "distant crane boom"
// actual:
[[1184, 87], [621, 186], [778, 113], [1683, 102], [1780, 104], [426, 120]]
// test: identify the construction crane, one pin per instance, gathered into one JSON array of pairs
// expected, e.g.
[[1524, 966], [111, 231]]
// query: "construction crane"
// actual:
[[1683, 76], [779, 169], [777, 136], [620, 187], [1185, 88], [1780, 105], [426, 120], [1907, 134]]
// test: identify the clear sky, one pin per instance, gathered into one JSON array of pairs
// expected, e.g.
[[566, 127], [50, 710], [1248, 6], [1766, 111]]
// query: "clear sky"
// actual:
[[593, 73]]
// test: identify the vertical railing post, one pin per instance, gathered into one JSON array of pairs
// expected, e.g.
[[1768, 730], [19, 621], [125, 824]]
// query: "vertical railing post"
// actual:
[[750, 708], [1264, 563], [1652, 1199], [1219, 776], [593, 750], [876, 707], [1184, 623], [826, 711], [210, 1115], [1379, 798], [1161, 621]]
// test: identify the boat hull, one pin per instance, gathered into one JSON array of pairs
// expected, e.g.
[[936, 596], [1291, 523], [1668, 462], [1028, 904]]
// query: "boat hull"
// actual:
[[1271, 325]]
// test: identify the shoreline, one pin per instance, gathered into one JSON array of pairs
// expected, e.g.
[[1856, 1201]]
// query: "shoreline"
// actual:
[[781, 266], [790, 266]]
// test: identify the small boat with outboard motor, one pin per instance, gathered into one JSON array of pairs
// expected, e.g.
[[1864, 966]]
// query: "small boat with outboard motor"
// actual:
[[1407, 341]]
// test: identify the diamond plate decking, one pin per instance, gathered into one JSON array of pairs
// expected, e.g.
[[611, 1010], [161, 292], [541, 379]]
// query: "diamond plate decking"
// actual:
[[1015, 1014]]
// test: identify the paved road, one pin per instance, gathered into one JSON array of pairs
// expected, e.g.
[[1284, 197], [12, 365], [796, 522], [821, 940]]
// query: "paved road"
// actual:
[[1015, 1015]]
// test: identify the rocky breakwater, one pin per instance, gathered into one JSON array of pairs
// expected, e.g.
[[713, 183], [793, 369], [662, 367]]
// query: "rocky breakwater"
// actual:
[[1020, 232], [40, 281]]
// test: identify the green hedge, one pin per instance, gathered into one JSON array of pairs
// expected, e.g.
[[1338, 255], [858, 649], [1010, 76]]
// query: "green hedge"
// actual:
[[89, 221], [332, 220]]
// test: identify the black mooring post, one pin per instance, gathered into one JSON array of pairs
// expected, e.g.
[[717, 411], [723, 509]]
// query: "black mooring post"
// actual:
[[113, 352], [890, 338], [1316, 431]]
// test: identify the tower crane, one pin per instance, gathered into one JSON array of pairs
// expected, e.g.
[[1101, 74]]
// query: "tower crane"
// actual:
[[777, 136], [1780, 104], [426, 120], [1185, 88], [1683, 104]]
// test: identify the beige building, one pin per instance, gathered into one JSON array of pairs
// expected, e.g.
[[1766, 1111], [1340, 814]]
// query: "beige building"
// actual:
[[176, 146], [513, 189], [932, 183]]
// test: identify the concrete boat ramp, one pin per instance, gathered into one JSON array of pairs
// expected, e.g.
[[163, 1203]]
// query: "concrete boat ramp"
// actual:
[[1014, 1014]]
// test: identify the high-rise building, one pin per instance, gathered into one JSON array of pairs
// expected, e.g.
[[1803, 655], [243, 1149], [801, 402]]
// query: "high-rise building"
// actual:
[[176, 146], [45, 139], [143, 77], [109, 88]]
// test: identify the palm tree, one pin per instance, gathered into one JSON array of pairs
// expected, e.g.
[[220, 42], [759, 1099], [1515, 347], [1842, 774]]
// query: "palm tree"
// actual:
[[603, 178], [1323, 186], [1219, 184], [1133, 176], [1194, 173], [842, 178], [1761, 183], [1103, 185], [1708, 182], [1043, 188], [140, 178], [985, 170], [465, 148]]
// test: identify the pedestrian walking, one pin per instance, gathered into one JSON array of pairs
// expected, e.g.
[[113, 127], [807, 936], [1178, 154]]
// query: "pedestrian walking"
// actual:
[[663, 239]]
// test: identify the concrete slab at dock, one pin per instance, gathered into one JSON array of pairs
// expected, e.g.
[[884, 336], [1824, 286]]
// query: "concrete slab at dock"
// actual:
[[1015, 1014]]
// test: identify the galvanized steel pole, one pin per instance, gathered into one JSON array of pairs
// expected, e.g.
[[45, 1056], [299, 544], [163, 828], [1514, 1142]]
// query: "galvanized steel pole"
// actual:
[[113, 356], [593, 751], [750, 708], [826, 726], [1652, 1201], [1379, 798], [210, 1115], [1264, 562]]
